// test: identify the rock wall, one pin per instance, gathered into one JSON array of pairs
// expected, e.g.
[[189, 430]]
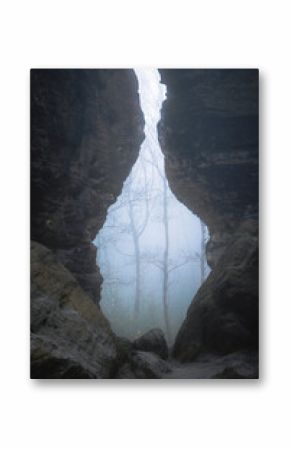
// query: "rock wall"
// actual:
[[86, 131], [70, 338], [209, 135]]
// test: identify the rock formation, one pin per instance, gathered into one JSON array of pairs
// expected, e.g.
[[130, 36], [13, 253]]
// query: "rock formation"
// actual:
[[144, 365], [70, 336], [209, 135], [86, 131], [152, 341]]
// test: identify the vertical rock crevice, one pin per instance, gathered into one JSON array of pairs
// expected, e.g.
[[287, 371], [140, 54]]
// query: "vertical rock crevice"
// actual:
[[86, 132]]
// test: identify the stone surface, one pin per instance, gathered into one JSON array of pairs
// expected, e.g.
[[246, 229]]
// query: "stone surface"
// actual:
[[86, 131], [209, 134], [70, 338], [152, 341], [238, 365], [143, 365], [223, 316]]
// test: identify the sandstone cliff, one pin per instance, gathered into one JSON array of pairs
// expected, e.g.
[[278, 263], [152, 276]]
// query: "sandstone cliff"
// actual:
[[86, 131], [209, 134]]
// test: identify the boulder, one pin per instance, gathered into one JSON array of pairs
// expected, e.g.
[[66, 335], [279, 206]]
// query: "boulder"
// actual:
[[152, 341], [70, 337], [238, 365], [223, 317], [143, 365]]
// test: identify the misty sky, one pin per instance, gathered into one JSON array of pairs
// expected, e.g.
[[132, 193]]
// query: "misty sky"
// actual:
[[142, 203]]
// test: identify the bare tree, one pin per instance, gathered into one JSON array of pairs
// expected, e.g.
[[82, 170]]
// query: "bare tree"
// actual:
[[202, 252], [165, 265], [134, 197], [166, 260], [201, 256]]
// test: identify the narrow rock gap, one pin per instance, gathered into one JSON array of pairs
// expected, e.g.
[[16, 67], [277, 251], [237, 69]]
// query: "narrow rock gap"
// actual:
[[151, 249], [209, 136]]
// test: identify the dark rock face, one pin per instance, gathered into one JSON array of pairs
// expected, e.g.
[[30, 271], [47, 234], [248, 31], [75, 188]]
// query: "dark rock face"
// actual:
[[209, 134], [152, 341], [135, 363], [70, 336], [238, 365], [86, 131], [223, 316], [143, 365]]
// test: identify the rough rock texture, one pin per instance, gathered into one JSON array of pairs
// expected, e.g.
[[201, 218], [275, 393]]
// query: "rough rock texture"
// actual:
[[238, 365], [70, 336], [139, 364], [223, 316], [86, 131], [143, 365], [209, 134], [152, 341]]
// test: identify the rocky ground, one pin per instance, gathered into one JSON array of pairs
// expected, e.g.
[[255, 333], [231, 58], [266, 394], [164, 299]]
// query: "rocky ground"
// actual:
[[148, 358], [212, 366]]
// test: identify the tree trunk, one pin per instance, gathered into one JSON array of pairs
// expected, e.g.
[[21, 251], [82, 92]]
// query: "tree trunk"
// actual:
[[202, 253], [137, 281], [165, 262], [135, 238]]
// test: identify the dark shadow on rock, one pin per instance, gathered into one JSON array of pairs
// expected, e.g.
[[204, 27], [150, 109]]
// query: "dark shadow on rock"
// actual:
[[152, 341]]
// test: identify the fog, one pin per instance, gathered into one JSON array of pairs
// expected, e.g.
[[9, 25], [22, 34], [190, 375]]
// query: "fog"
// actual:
[[151, 249]]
